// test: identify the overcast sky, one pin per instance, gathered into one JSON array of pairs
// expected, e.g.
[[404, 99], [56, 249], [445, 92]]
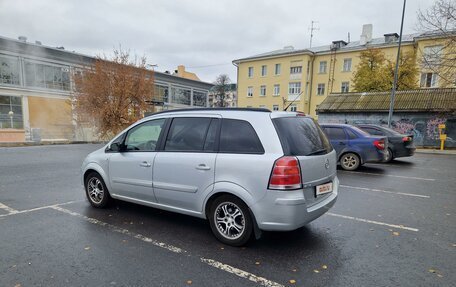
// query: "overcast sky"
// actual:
[[203, 35]]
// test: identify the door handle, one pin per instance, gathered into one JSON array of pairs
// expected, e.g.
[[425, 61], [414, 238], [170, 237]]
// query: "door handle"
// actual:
[[145, 164], [203, 167]]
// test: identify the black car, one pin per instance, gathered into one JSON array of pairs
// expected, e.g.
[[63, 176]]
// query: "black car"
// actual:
[[399, 145]]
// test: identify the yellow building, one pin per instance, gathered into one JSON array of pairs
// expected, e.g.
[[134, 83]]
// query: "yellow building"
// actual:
[[305, 77]]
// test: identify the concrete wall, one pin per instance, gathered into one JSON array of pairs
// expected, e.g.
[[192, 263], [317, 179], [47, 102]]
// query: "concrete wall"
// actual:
[[424, 126]]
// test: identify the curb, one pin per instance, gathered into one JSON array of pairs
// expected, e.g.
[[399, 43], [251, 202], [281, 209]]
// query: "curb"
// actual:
[[436, 151], [42, 143]]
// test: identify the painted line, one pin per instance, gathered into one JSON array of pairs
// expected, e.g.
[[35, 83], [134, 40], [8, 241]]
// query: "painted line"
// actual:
[[403, 166], [241, 273], [7, 208], [120, 230], [398, 176], [224, 267], [39, 208], [384, 191], [373, 222]]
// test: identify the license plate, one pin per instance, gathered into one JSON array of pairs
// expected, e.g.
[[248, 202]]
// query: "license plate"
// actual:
[[324, 188]]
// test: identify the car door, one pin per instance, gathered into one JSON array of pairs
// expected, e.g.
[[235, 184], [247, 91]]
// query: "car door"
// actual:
[[337, 137], [130, 170], [185, 167]]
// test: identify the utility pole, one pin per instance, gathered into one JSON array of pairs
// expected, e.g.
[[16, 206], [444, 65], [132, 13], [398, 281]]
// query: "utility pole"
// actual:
[[312, 29], [396, 70]]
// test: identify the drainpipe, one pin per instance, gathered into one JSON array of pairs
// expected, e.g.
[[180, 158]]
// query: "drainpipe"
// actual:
[[237, 83], [311, 83]]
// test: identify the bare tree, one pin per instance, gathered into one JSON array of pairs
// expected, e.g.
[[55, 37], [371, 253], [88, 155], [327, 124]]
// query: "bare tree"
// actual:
[[113, 93], [440, 21], [221, 89]]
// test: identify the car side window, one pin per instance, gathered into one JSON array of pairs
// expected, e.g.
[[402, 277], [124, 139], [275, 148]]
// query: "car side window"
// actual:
[[187, 134], [335, 133], [144, 137], [373, 131], [238, 136], [351, 134], [210, 142]]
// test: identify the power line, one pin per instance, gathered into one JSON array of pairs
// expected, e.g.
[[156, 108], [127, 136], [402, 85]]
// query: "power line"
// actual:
[[207, 66]]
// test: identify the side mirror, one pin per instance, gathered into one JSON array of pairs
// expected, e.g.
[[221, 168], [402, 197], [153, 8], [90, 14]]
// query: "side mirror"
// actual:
[[116, 147]]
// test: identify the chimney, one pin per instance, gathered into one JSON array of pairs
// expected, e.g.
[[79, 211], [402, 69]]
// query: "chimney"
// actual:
[[366, 35], [22, 38], [391, 37]]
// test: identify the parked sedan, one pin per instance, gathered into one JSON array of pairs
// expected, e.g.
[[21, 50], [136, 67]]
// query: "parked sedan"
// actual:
[[354, 146], [399, 145]]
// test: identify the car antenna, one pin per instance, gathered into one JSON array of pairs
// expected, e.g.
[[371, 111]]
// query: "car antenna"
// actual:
[[294, 100]]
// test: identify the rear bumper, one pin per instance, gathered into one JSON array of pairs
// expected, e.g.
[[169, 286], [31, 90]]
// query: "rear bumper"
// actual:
[[403, 152], [289, 210]]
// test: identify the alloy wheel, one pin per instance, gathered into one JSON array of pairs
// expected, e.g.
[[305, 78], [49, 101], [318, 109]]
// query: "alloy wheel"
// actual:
[[229, 220]]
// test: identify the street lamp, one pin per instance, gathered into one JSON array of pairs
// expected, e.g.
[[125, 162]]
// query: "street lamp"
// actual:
[[11, 114], [393, 90]]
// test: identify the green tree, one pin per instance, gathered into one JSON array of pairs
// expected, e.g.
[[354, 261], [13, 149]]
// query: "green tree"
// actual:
[[371, 75]]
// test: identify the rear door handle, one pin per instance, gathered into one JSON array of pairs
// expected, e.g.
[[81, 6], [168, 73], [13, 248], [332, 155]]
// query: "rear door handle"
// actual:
[[145, 164], [203, 167]]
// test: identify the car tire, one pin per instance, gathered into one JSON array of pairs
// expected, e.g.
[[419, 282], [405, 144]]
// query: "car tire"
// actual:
[[350, 161], [230, 220], [389, 155], [96, 191]]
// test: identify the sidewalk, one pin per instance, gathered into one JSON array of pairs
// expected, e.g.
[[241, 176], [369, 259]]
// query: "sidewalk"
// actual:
[[436, 151]]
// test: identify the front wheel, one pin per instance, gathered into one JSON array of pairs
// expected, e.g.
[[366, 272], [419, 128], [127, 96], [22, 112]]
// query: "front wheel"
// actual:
[[350, 161], [230, 220], [389, 155], [96, 191]]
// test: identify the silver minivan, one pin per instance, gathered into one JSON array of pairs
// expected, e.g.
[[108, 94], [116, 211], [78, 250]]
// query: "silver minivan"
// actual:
[[245, 170]]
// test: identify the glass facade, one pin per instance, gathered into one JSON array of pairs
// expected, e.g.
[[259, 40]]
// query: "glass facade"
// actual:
[[161, 93], [11, 112], [180, 96], [46, 76], [9, 70], [199, 99]]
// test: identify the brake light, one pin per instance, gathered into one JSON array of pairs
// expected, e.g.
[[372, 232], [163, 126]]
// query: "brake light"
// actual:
[[406, 139], [379, 144], [286, 174]]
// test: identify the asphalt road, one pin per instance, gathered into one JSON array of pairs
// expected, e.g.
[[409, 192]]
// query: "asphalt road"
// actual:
[[393, 225]]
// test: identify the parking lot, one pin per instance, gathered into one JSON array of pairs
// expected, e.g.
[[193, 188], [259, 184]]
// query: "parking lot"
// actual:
[[393, 225]]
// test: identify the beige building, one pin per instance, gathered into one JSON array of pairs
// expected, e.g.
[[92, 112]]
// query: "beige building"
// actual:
[[306, 76]]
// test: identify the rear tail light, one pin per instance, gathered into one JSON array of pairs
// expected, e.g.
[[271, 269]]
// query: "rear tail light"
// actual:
[[406, 139], [286, 174], [379, 144]]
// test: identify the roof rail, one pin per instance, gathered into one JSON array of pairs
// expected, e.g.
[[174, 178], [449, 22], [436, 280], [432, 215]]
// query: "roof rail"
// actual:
[[263, 110]]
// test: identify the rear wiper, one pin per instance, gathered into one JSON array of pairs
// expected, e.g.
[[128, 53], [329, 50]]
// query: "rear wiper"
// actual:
[[319, 151]]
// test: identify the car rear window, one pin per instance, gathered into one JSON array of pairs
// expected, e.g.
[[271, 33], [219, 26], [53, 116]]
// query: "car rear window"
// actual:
[[301, 136]]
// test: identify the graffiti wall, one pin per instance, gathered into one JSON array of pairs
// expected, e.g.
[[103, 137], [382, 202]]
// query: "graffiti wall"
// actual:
[[423, 126]]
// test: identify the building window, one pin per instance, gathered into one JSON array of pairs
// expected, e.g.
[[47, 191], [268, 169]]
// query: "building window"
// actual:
[[294, 88], [264, 70], [199, 98], [262, 91], [428, 80], [250, 72], [320, 89], [11, 112], [47, 76], [161, 94], [275, 107], [323, 65], [278, 69], [180, 96], [345, 88], [250, 92], [276, 90], [347, 65], [293, 108], [432, 56], [296, 70], [9, 70]]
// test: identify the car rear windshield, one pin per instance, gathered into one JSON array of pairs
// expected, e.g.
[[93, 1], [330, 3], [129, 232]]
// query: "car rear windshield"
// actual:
[[301, 136]]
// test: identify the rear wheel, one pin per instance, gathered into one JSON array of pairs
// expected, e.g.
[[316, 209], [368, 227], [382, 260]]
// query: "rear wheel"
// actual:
[[389, 155], [96, 191], [350, 161], [230, 220]]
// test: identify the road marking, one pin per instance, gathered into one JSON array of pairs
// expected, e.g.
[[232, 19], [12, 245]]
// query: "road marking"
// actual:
[[403, 166], [227, 268], [384, 191], [241, 273], [392, 175], [38, 208], [7, 208], [373, 222]]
